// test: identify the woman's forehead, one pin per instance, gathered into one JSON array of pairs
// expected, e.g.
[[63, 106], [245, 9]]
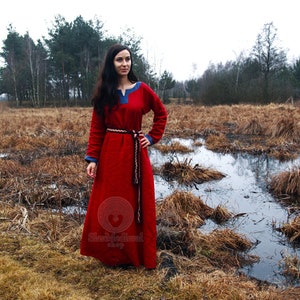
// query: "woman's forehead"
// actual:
[[123, 53]]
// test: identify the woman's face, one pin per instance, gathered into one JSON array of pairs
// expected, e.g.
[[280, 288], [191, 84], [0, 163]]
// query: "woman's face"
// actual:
[[122, 63]]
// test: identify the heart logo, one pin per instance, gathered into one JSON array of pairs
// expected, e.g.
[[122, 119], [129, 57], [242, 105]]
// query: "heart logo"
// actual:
[[115, 220], [115, 214]]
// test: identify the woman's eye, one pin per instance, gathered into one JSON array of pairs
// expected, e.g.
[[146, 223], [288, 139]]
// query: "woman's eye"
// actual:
[[120, 59]]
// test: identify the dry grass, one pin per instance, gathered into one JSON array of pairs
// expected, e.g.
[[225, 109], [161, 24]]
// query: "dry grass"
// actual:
[[286, 187], [182, 209], [286, 184], [221, 214], [37, 265], [292, 229], [271, 129], [42, 167], [291, 266], [288, 128], [180, 216], [174, 147], [252, 127], [185, 173], [218, 143]]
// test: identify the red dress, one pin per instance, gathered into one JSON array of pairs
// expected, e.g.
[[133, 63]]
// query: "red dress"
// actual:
[[113, 231]]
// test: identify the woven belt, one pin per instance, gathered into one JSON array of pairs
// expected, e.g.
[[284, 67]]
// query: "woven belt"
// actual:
[[136, 176]]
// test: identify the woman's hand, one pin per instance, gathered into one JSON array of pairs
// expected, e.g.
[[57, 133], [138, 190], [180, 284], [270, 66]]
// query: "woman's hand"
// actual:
[[145, 142], [91, 169]]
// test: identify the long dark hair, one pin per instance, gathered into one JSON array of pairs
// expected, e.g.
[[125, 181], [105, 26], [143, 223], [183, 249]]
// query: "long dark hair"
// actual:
[[105, 92]]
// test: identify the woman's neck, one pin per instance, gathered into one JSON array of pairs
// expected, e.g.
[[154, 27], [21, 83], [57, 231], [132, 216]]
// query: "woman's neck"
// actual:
[[125, 84]]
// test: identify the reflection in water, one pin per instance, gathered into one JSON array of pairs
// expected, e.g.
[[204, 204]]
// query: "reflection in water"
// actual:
[[243, 190]]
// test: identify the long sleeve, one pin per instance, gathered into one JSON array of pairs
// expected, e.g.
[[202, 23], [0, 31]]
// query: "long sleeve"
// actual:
[[160, 114], [96, 137]]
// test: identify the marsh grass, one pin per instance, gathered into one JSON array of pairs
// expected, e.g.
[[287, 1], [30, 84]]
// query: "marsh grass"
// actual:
[[287, 128], [182, 209], [272, 130], [292, 229], [219, 143], [181, 215], [39, 263], [42, 170], [286, 184], [221, 214], [290, 265], [173, 147], [187, 174], [252, 127]]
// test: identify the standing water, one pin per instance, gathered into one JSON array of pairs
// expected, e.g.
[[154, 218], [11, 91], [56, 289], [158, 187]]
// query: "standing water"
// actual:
[[242, 191]]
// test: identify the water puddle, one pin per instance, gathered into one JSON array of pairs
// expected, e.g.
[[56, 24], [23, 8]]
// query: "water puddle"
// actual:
[[242, 191]]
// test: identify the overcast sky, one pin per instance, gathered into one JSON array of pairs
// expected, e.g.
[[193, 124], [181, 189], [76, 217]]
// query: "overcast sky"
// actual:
[[182, 37]]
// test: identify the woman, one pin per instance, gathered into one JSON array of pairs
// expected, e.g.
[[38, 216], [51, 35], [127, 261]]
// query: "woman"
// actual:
[[120, 224]]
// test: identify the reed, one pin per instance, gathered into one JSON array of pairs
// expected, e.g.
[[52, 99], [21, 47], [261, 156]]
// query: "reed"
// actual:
[[292, 229], [221, 214], [286, 184], [182, 209], [252, 127], [219, 143], [290, 265], [287, 128], [174, 147], [187, 174]]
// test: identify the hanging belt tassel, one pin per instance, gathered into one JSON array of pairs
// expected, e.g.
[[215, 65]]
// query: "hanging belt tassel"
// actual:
[[137, 162]]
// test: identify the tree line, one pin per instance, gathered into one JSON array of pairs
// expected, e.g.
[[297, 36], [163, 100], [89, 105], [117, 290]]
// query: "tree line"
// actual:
[[62, 69], [262, 77]]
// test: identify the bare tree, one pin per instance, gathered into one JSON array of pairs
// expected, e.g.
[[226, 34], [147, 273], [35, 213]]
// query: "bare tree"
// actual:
[[270, 57]]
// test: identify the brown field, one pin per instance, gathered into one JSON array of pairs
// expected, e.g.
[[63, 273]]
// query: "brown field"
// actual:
[[42, 167]]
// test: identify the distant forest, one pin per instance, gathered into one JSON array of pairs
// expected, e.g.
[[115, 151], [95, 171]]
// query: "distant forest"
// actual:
[[61, 70]]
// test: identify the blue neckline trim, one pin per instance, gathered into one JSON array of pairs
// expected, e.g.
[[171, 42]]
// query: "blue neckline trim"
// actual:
[[124, 98]]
